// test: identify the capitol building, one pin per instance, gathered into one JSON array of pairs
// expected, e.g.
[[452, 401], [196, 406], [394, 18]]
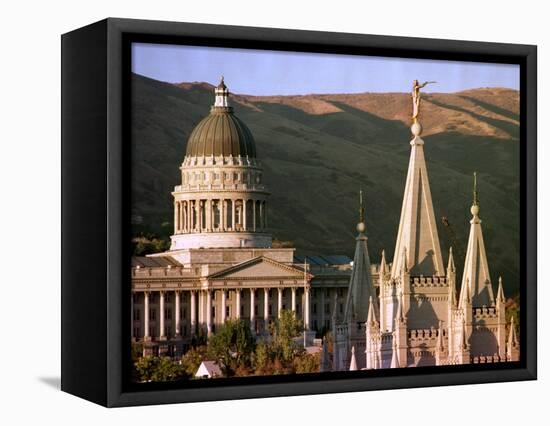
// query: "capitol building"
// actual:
[[221, 265]]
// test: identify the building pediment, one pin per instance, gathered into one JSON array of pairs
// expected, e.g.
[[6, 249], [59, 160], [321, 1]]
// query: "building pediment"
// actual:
[[260, 267]]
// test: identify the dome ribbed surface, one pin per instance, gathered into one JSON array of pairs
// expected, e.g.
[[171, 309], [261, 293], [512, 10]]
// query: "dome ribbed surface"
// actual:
[[221, 134]]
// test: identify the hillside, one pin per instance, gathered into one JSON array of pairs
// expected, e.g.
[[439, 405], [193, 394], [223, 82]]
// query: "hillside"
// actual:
[[318, 150]]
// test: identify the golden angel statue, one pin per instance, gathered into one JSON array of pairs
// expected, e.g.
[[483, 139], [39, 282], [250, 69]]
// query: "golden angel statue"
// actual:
[[416, 97]]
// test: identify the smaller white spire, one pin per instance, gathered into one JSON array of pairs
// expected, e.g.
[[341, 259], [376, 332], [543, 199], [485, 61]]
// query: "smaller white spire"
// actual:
[[353, 363], [383, 265], [512, 337], [500, 292], [451, 264]]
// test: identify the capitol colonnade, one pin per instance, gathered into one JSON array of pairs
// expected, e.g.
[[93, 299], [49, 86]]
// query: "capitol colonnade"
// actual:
[[175, 314], [223, 214]]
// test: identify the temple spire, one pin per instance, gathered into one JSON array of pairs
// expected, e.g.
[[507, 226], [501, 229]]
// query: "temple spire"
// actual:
[[451, 278], [361, 286], [512, 344], [417, 227], [476, 268]]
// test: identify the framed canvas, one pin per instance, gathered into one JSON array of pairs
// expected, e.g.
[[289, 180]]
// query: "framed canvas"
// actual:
[[255, 212]]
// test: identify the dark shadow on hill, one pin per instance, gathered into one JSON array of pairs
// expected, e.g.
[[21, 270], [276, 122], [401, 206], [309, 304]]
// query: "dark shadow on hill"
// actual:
[[356, 126], [510, 128], [491, 107]]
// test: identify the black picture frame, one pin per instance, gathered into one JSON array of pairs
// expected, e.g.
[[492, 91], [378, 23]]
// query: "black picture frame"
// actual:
[[95, 198]]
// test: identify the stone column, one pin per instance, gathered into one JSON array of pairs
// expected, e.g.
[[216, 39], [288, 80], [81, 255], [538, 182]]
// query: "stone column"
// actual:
[[209, 311], [293, 299], [266, 305], [252, 312], [306, 307], [189, 216], [184, 216], [132, 316], [201, 308], [233, 215], [254, 215], [161, 315], [176, 217], [177, 314], [223, 215], [244, 215], [146, 335], [208, 207], [279, 301], [261, 215], [224, 295], [238, 302], [193, 312]]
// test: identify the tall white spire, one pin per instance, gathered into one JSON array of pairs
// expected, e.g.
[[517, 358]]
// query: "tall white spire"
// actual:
[[417, 233], [476, 269], [361, 287]]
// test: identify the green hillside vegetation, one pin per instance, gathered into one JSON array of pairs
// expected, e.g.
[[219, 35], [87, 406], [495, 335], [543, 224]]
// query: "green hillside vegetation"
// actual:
[[318, 150]]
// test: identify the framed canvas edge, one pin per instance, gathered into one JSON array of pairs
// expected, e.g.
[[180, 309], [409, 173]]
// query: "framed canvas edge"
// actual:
[[116, 396]]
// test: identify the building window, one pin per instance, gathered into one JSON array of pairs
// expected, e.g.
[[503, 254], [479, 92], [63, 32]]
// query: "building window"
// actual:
[[168, 331], [136, 297], [314, 308], [242, 310], [340, 291], [167, 313], [167, 298], [136, 332], [269, 309], [255, 309], [327, 308], [185, 330], [137, 315], [227, 312], [152, 314], [213, 312], [341, 308]]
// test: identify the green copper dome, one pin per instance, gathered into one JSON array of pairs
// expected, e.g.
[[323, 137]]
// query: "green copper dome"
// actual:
[[221, 134]]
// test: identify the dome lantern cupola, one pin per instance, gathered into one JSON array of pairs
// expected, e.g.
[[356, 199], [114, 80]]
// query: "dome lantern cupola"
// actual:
[[222, 95], [222, 200]]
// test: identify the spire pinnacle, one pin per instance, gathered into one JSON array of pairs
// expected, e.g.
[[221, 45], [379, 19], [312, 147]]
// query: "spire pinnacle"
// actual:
[[361, 224], [500, 292], [475, 202], [512, 338], [451, 264], [383, 265], [353, 363]]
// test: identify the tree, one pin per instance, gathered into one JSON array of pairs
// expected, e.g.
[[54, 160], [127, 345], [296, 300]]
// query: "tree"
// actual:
[[232, 346], [284, 331], [158, 369], [307, 363]]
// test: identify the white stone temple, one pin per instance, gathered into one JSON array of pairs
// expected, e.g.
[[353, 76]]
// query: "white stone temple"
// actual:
[[416, 318], [221, 265]]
